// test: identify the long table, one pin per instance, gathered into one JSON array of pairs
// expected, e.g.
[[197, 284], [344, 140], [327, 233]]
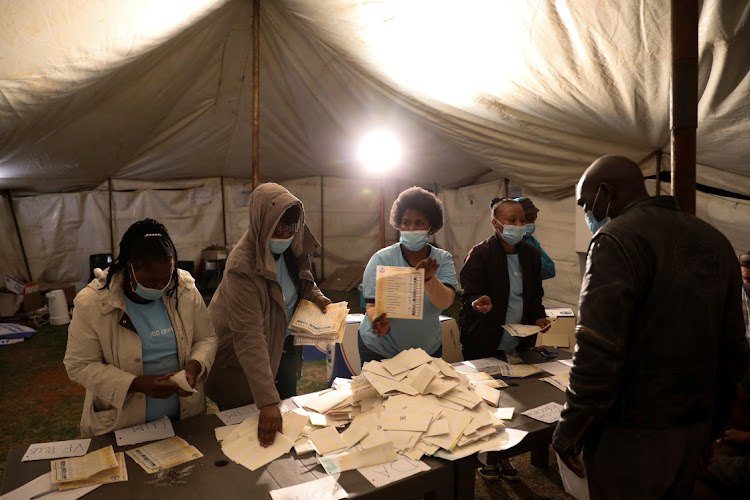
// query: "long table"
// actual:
[[214, 476]]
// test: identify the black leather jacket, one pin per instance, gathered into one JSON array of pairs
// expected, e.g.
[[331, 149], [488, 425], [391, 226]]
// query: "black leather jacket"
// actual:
[[660, 329]]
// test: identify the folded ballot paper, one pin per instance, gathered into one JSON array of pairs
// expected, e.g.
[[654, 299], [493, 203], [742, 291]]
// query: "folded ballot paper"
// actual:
[[395, 412], [310, 325], [101, 466]]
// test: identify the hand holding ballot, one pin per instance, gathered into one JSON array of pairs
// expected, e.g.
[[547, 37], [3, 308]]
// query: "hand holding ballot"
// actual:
[[399, 291]]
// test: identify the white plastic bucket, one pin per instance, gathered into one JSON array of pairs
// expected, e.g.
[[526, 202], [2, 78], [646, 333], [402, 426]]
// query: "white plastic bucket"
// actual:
[[58, 308]]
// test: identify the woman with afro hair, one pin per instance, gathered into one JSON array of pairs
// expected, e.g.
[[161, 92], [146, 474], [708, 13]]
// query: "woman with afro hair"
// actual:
[[416, 213]]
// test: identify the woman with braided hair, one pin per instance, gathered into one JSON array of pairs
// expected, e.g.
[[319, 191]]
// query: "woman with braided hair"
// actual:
[[134, 326]]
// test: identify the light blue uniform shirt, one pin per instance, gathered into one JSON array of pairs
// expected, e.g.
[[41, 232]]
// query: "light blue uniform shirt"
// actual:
[[406, 333], [159, 347], [287, 288], [514, 314]]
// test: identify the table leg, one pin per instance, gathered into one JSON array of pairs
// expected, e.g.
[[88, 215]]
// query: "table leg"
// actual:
[[540, 456], [464, 477]]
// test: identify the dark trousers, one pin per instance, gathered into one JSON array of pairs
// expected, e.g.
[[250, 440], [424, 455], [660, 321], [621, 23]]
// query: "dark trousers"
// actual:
[[286, 377], [366, 354], [645, 463]]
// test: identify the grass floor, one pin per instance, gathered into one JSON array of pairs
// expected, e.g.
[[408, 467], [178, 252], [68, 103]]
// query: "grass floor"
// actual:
[[40, 404]]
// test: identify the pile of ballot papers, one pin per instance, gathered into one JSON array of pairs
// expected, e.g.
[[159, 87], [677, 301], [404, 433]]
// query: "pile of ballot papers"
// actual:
[[311, 326], [411, 405], [102, 466]]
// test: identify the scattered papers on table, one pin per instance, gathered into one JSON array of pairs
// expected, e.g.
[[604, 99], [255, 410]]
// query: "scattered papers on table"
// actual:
[[222, 432], [150, 431], [44, 487], [116, 474], [559, 381], [237, 415], [325, 488], [504, 413], [399, 292], [164, 454], [553, 368], [549, 413], [518, 330], [180, 378], [57, 449], [242, 445], [78, 468], [382, 474]]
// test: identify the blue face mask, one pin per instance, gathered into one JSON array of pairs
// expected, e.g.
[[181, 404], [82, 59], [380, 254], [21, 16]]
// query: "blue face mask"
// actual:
[[530, 228], [512, 234], [413, 240], [593, 224], [279, 246], [148, 293]]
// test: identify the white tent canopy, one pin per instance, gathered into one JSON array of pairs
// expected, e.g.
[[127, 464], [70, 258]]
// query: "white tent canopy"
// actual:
[[476, 91]]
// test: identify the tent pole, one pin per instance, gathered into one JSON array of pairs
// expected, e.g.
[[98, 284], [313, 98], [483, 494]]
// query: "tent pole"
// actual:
[[111, 221], [256, 93], [684, 101], [223, 212], [506, 187], [382, 215], [658, 173], [322, 234], [18, 233]]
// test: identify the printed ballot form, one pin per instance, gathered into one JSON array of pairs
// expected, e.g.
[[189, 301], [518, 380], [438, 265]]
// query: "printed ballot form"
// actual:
[[399, 292], [80, 468]]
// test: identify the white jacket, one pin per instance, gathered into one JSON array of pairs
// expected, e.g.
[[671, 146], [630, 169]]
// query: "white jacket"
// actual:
[[104, 352]]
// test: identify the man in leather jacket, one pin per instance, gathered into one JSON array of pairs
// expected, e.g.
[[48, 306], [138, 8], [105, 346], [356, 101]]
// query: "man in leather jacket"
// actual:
[[661, 342]]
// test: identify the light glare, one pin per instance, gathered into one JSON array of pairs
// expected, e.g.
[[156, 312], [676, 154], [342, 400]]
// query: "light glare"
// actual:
[[379, 151]]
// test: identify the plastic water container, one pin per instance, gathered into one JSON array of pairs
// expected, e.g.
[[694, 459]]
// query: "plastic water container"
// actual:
[[58, 308]]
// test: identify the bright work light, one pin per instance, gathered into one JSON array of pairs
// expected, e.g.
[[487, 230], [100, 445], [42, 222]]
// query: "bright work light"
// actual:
[[379, 151]]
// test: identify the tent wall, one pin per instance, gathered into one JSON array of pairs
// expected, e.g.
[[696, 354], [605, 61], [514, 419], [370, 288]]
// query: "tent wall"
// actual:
[[60, 231]]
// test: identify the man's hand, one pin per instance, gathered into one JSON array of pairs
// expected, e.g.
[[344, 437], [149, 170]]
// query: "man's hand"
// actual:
[[154, 386], [381, 326], [482, 305], [430, 267], [544, 324], [573, 464], [268, 424], [736, 436], [322, 302]]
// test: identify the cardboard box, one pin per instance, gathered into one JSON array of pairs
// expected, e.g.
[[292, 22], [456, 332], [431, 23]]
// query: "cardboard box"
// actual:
[[220, 254], [452, 352], [562, 332]]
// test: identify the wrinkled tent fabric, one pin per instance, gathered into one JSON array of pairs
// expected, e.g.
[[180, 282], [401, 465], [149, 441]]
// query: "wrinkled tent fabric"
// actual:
[[157, 97], [88, 93]]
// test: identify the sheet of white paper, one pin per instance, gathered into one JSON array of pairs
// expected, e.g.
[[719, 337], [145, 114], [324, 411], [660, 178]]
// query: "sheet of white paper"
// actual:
[[304, 398], [554, 368], [504, 413], [150, 431], [514, 437], [57, 449], [382, 474], [568, 362], [522, 330], [237, 415], [43, 484], [574, 485], [180, 379], [287, 405], [221, 433], [325, 488], [549, 413]]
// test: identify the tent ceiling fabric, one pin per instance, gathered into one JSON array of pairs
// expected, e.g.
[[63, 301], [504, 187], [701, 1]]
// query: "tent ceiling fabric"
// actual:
[[531, 90]]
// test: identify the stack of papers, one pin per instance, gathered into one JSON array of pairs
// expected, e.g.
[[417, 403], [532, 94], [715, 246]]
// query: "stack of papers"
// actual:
[[408, 406], [164, 454], [496, 367], [310, 326], [98, 467]]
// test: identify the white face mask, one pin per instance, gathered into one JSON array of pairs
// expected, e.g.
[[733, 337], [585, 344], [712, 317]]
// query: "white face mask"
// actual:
[[511, 234]]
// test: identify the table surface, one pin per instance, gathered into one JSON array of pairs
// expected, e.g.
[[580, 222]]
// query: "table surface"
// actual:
[[215, 474]]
